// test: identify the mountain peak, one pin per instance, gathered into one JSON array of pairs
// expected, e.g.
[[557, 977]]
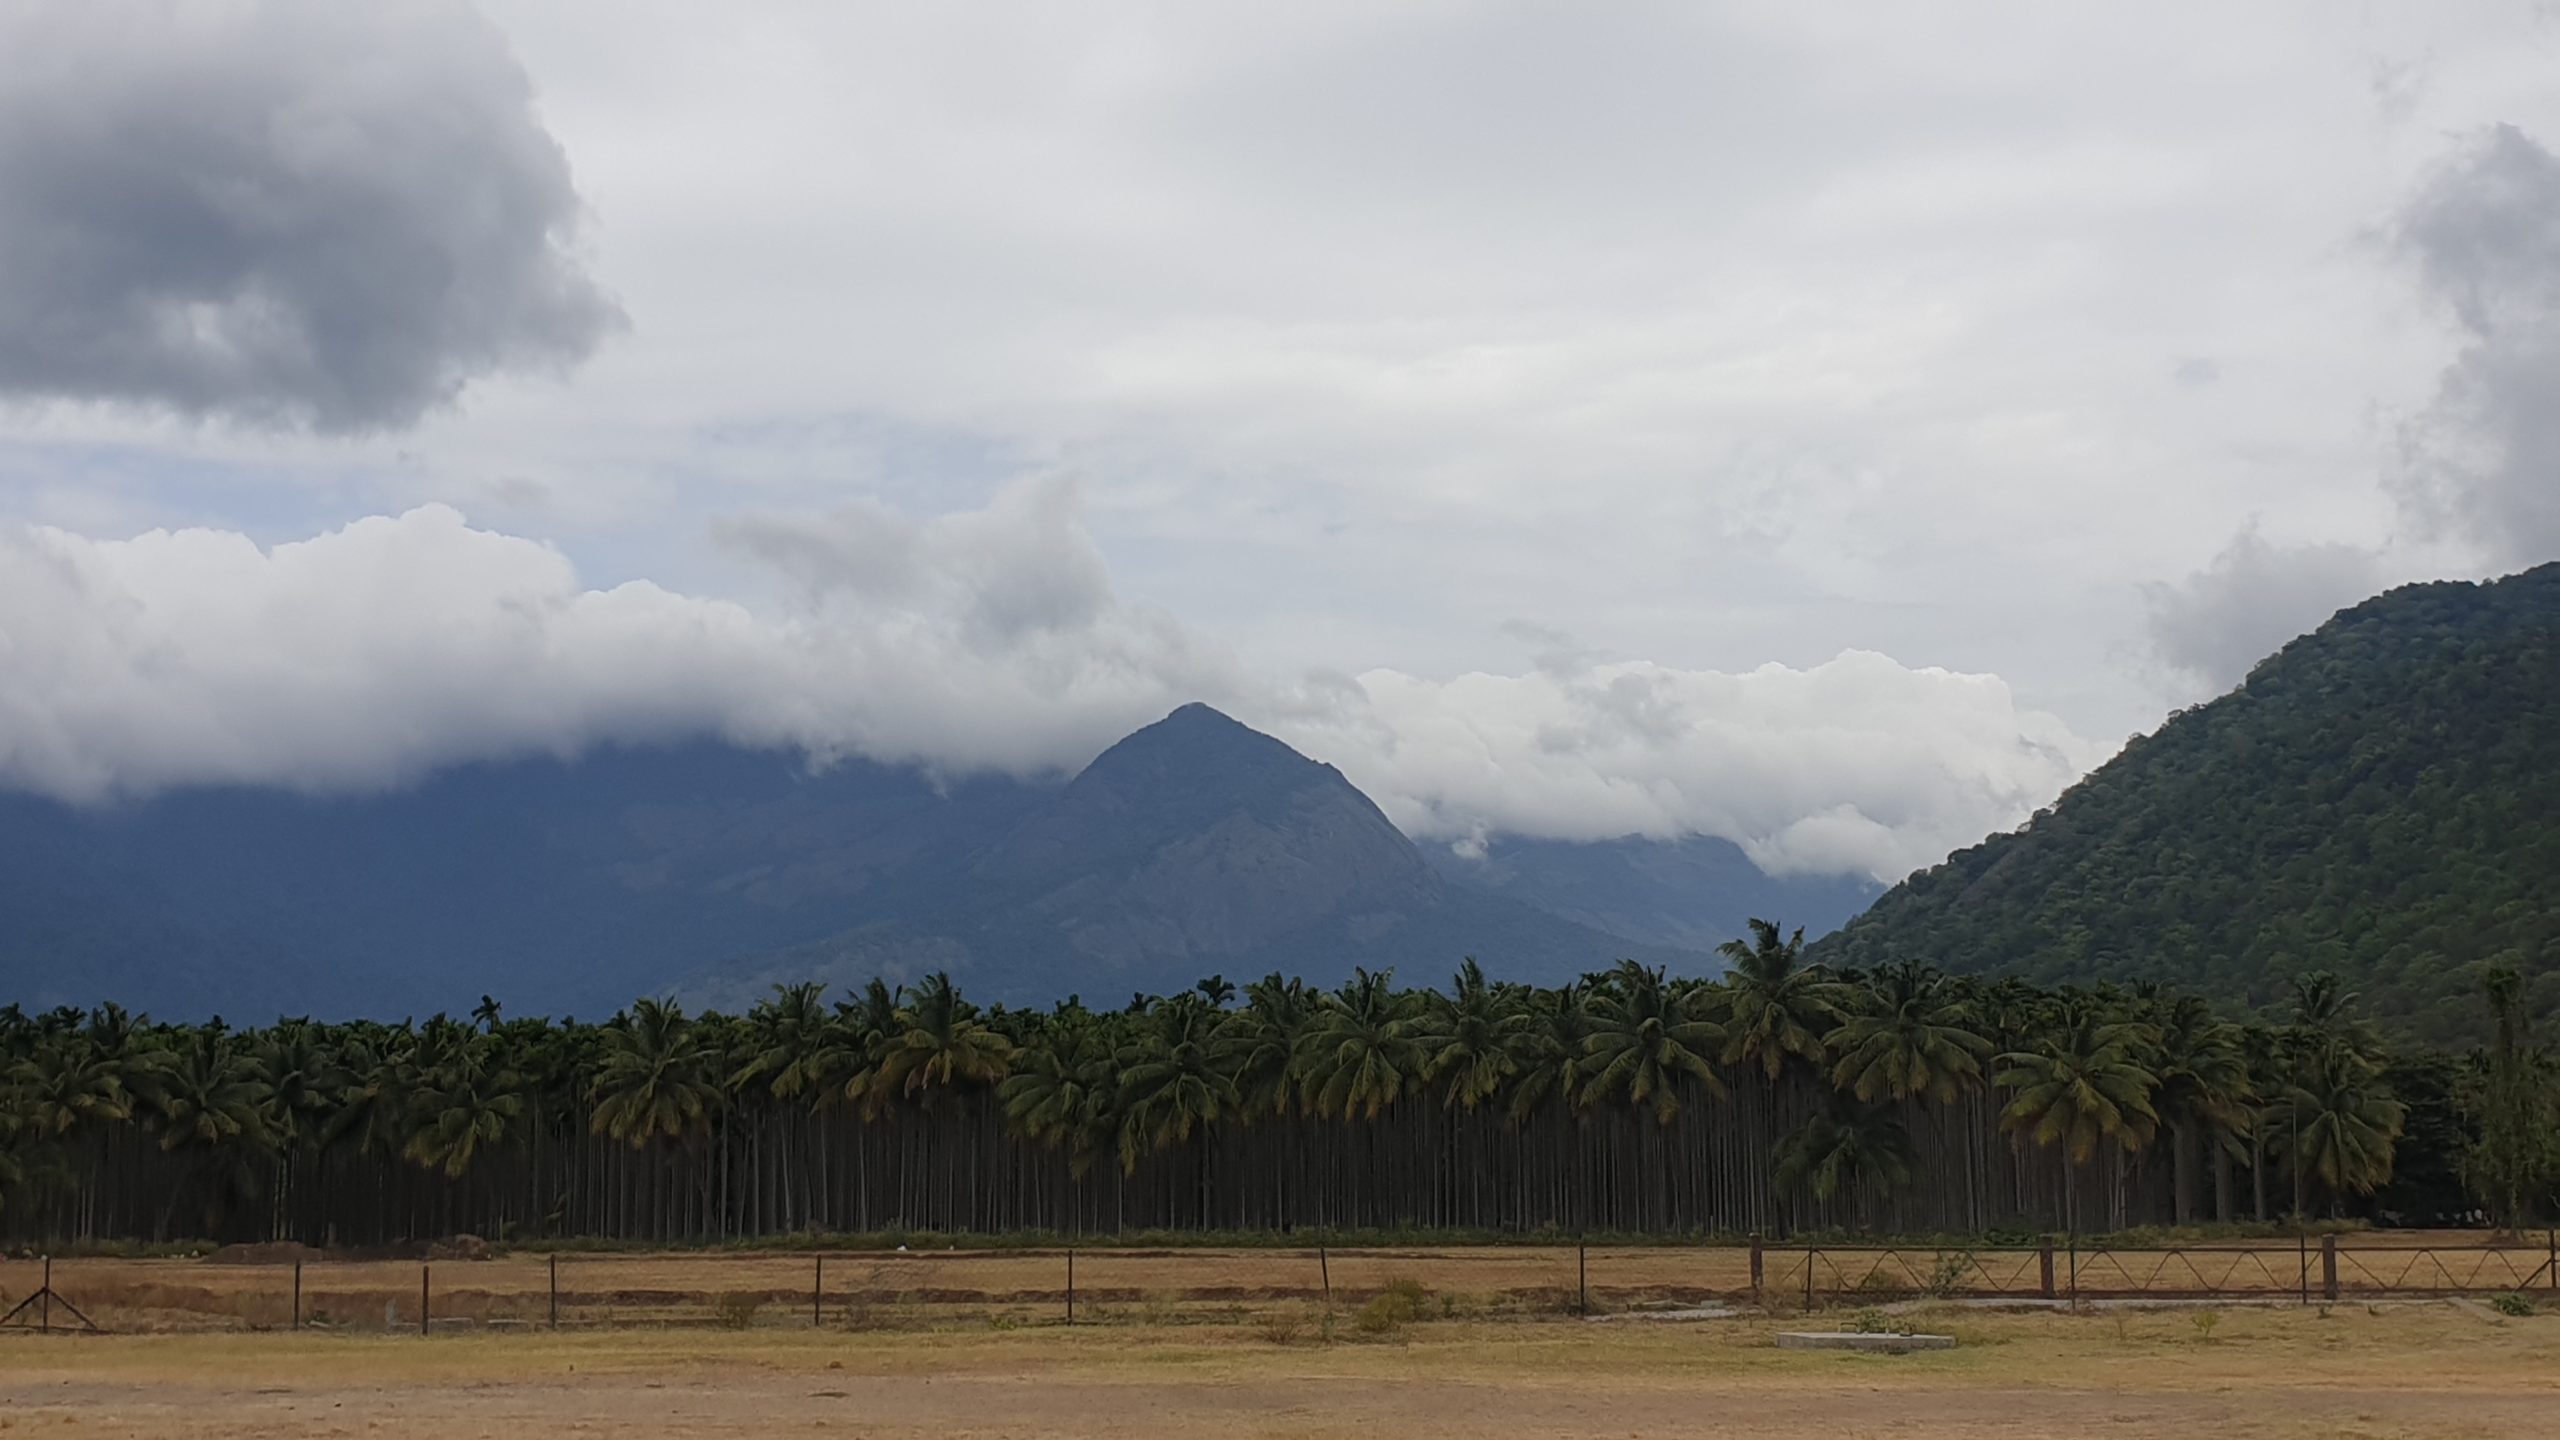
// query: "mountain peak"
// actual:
[[1197, 749]]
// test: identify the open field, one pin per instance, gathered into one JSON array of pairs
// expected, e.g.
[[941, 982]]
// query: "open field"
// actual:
[[876, 1289], [2414, 1370]]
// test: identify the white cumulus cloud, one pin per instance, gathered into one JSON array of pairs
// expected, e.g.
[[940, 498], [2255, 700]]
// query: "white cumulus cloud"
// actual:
[[366, 656]]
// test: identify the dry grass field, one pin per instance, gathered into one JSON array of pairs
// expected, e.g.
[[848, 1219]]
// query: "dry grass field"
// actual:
[[905, 1290], [2413, 1370]]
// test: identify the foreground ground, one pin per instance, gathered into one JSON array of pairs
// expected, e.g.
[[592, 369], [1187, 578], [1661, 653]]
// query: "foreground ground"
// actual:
[[2408, 1370]]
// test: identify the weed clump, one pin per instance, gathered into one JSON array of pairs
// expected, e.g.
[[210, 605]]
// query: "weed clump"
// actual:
[[1391, 1309]]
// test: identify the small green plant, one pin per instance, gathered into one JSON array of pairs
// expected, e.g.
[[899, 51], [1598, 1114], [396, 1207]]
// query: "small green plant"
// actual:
[[736, 1310], [2205, 1321], [2511, 1303], [1872, 1321], [1391, 1309], [1948, 1274]]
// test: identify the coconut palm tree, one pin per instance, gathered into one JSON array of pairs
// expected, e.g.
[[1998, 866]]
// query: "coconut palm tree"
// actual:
[[1063, 1091], [1847, 1148], [1469, 1038], [1650, 1044], [2338, 1122], [210, 1108], [2083, 1085], [941, 1042], [1552, 1050], [1359, 1055], [1908, 1033], [1263, 1042], [655, 1081], [1173, 1078], [1776, 1007], [464, 1103], [2205, 1093], [66, 1084]]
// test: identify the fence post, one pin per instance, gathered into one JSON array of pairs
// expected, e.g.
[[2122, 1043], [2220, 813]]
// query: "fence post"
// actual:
[[2555, 1259], [1758, 1272], [2044, 1265], [2302, 1253], [555, 1292], [1808, 1277], [297, 1294], [818, 1293], [1071, 1287], [44, 1305], [2073, 1245], [1324, 1271], [2329, 1267], [422, 1299], [1581, 1278]]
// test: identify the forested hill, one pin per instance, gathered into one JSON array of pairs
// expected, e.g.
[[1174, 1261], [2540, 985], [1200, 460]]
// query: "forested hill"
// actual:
[[2381, 799]]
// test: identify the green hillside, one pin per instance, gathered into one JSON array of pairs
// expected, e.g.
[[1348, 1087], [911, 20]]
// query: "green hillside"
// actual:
[[2381, 799]]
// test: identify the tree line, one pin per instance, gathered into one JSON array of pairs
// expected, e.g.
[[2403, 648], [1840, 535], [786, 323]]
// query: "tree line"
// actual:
[[1780, 1096]]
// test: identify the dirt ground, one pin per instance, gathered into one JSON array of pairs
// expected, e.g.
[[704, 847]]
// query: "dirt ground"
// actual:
[[2415, 1370]]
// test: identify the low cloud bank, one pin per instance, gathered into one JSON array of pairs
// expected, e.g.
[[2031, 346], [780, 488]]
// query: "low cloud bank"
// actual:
[[365, 657]]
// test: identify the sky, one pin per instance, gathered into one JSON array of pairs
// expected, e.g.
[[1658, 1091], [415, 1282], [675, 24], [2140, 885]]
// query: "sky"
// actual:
[[1833, 428]]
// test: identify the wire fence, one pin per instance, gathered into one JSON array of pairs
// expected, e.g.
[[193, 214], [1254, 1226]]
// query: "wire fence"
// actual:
[[902, 1289]]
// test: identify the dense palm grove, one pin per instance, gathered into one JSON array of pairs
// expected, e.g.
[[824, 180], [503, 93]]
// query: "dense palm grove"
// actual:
[[1780, 1096]]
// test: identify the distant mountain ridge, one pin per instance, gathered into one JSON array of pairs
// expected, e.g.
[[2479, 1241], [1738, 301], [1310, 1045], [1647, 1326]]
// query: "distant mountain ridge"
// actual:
[[1194, 846], [2380, 799]]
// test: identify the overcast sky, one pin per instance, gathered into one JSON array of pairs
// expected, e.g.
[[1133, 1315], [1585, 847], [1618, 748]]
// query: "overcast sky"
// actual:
[[1834, 428]]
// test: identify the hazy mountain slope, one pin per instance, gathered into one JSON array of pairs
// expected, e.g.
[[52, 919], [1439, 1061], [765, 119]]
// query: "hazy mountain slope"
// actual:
[[1195, 846], [1693, 894], [2380, 799], [555, 885]]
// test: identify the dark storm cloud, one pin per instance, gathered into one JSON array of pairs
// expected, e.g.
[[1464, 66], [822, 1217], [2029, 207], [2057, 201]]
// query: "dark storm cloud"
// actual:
[[287, 213], [2483, 460]]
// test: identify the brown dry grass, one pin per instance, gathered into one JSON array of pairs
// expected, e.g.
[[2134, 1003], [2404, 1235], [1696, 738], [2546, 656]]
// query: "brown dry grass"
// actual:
[[2418, 1371], [908, 1289]]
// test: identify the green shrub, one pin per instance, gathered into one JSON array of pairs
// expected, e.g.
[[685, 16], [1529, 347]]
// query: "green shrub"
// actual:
[[736, 1310], [1392, 1308], [2511, 1303]]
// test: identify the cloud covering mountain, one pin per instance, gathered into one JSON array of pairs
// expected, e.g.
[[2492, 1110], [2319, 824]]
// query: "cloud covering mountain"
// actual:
[[992, 639]]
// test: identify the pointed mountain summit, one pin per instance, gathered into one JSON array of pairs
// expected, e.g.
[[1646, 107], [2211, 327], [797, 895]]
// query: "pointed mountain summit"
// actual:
[[1198, 838]]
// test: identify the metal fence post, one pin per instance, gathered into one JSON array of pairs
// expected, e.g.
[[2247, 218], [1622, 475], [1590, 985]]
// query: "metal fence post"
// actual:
[[2302, 1254], [2073, 1242], [44, 1306], [1071, 1287], [818, 1293], [1758, 1269], [1581, 1278], [297, 1294], [555, 1292], [423, 1299], [2044, 1265], [1324, 1272], [1808, 1277], [2329, 1267], [2555, 1259]]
